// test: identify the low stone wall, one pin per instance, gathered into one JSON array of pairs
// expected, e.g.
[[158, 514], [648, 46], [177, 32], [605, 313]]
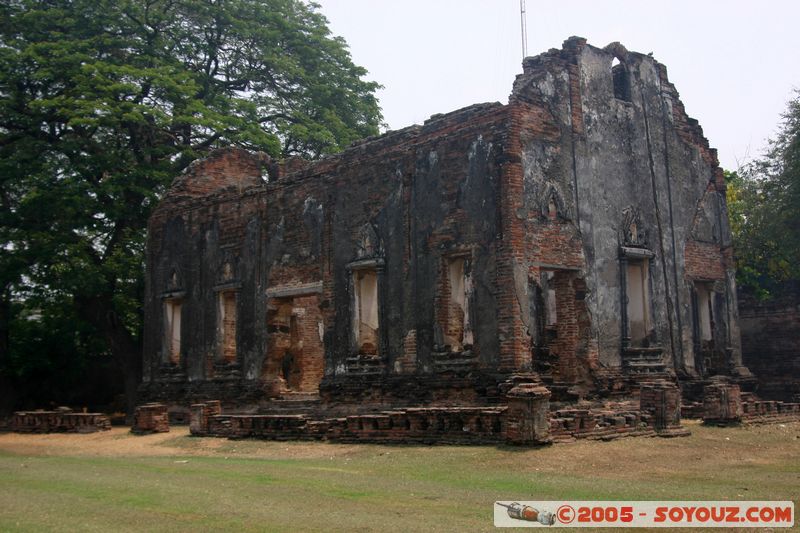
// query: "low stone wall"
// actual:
[[756, 411], [446, 425], [60, 421], [150, 418], [658, 413], [525, 419], [567, 425], [726, 404]]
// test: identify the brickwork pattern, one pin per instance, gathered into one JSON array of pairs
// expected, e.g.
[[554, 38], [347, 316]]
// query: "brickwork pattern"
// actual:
[[526, 420], [61, 421], [527, 417], [567, 425], [662, 400], [704, 261], [722, 403], [150, 418], [756, 411]]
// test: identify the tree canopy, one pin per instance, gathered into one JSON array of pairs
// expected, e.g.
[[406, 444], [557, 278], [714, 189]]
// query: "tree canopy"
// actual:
[[764, 207], [103, 102]]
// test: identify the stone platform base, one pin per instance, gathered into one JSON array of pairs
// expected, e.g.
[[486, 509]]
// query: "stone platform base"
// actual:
[[523, 416], [527, 420]]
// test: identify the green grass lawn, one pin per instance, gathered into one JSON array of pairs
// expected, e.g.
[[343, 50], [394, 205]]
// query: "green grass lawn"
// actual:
[[178, 483]]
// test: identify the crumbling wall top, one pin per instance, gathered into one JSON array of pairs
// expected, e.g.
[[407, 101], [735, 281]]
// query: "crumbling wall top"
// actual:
[[534, 84], [224, 168]]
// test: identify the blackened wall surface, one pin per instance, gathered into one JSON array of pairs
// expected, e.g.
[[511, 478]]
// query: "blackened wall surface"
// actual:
[[401, 204], [205, 237]]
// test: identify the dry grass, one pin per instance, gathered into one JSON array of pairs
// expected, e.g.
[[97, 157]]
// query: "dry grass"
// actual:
[[173, 482]]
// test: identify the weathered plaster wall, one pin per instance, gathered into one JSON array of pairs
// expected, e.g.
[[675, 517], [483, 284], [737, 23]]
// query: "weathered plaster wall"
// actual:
[[615, 162]]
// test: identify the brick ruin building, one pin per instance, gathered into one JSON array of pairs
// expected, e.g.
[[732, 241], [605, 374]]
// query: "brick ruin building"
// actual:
[[575, 239]]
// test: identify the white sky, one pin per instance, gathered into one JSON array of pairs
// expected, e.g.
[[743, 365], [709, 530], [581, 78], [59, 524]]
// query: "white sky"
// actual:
[[734, 62]]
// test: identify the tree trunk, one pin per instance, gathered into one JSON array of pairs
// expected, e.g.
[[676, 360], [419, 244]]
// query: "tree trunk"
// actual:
[[132, 376], [125, 350], [7, 392]]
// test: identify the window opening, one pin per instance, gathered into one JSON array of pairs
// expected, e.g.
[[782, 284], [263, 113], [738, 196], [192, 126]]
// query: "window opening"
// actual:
[[227, 325], [172, 329], [365, 311], [638, 300]]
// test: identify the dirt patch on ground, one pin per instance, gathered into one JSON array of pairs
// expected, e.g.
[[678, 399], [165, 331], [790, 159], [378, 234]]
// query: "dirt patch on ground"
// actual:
[[711, 444], [116, 442], [744, 446], [120, 442]]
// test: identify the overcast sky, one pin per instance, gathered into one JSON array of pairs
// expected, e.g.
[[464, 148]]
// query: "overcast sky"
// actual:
[[734, 62]]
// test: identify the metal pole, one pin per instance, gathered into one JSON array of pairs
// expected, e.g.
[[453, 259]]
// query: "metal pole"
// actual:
[[523, 28]]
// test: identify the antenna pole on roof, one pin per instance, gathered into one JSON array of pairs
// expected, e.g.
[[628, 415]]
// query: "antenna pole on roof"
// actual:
[[524, 28]]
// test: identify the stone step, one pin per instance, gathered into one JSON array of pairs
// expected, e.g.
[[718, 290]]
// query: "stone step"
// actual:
[[643, 358], [454, 364], [296, 401], [454, 355], [294, 395], [645, 367], [364, 365], [290, 406], [361, 371], [363, 360], [649, 354]]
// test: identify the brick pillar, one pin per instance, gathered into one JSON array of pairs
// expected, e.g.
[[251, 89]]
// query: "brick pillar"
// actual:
[[200, 414], [662, 400], [528, 416], [722, 403], [150, 418], [515, 353], [566, 345]]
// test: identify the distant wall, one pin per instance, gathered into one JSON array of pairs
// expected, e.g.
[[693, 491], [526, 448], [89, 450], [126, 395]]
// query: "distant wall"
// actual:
[[771, 341]]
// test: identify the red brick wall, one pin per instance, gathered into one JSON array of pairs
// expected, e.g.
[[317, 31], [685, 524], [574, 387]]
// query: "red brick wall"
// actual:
[[229, 169], [704, 261], [555, 242], [311, 360], [528, 121]]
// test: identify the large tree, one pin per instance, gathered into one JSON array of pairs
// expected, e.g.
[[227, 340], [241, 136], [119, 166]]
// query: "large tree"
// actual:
[[103, 102], [764, 205]]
